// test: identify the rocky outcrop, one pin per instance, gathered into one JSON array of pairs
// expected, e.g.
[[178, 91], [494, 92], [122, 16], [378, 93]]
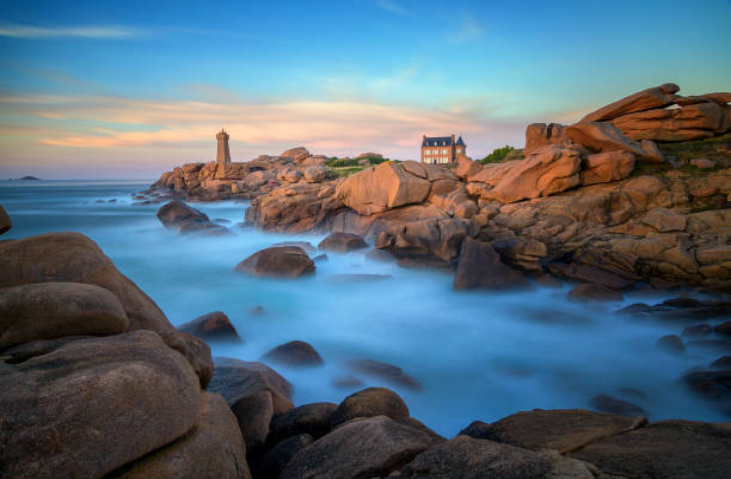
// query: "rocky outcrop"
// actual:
[[278, 262], [659, 114], [213, 326], [86, 389]]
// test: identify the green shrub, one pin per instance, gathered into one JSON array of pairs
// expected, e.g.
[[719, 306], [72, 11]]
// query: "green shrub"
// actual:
[[498, 155]]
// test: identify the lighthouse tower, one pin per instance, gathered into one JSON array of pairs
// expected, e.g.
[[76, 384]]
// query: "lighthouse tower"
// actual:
[[223, 156]]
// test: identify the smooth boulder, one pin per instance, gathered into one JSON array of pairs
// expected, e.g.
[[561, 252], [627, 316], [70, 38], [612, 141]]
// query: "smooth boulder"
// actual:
[[278, 262], [93, 405], [54, 310], [312, 419], [368, 403], [235, 379], [342, 242], [294, 353]]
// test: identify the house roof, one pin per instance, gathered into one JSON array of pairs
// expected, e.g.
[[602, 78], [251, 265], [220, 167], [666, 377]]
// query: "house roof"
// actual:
[[460, 142], [437, 141]]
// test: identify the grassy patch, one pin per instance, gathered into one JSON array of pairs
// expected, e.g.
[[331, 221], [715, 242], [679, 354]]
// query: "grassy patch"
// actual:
[[711, 148], [498, 155]]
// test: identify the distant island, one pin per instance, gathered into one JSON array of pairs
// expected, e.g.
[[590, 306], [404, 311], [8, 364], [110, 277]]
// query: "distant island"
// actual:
[[28, 178]]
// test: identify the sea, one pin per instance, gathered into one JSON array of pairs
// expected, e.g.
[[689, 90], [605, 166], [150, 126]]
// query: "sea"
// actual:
[[479, 355]]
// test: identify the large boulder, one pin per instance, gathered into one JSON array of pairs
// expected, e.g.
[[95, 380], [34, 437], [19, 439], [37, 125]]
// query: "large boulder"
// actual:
[[481, 267], [677, 449], [342, 242], [468, 458], [53, 310], [195, 350], [560, 429], [213, 326], [213, 449], [382, 187], [436, 238], [278, 262], [604, 137], [94, 405], [297, 154], [5, 223], [315, 174], [538, 135], [185, 219], [368, 403], [73, 257], [691, 122], [294, 353], [367, 448], [656, 97], [273, 462], [607, 167]]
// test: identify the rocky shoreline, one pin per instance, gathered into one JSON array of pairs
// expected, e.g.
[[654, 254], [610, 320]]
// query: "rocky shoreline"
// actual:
[[95, 382]]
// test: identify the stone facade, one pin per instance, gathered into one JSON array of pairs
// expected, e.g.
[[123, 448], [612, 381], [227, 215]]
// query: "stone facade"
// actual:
[[223, 155], [442, 149]]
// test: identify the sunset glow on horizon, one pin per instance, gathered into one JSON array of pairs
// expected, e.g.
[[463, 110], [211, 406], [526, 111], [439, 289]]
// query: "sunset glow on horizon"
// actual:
[[131, 89]]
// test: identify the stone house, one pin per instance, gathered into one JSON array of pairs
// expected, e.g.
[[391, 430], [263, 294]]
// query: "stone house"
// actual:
[[442, 149]]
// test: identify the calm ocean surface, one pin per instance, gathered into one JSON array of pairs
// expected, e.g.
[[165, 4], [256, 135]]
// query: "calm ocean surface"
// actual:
[[478, 355]]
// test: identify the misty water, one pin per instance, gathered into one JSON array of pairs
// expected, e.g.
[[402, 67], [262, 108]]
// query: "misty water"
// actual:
[[478, 355]]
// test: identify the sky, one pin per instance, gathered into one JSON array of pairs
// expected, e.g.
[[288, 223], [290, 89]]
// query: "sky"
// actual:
[[129, 89]]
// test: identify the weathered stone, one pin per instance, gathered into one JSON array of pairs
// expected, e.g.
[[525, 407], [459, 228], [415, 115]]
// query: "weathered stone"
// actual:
[[294, 353], [360, 449], [692, 122], [93, 405], [297, 154], [538, 135], [468, 458], [561, 429], [665, 220], [380, 188], [480, 267], [235, 379], [213, 449], [677, 449], [72, 257], [607, 167], [276, 459], [313, 419], [370, 402], [342, 242], [194, 350], [213, 326], [254, 412], [603, 137], [315, 174], [278, 262], [703, 163], [53, 310], [656, 97]]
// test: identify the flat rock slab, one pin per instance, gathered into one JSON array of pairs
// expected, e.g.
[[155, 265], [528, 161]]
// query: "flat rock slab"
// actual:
[[559, 429], [359, 449], [667, 449], [468, 458], [93, 405]]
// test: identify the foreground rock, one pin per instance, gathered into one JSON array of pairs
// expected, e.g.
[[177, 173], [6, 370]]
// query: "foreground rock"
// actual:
[[312, 419], [72, 257], [677, 449], [370, 402], [278, 262], [54, 310], [138, 395], [213, 326], [366, 448]]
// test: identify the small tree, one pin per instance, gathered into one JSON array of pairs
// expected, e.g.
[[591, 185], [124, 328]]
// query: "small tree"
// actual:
[[498, 154]]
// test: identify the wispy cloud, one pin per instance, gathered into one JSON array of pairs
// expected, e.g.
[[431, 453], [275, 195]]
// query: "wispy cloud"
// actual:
[[393, 7], [469, 30], [91, 32]]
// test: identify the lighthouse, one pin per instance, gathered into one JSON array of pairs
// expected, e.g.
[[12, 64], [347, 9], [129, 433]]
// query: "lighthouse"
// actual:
[[223, 156]]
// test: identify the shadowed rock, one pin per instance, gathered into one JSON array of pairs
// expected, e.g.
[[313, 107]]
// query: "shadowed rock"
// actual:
[[342, 242], [594, 292], [278, 262], [276, 459], [387, 372], [370, 447], [481, 267], [53, 310], [213, 326], [611, 405], [368, 403], [313, 419], [5, 223], [672, 343]]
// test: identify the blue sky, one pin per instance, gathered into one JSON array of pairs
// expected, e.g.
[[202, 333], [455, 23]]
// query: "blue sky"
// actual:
[[133, 88]]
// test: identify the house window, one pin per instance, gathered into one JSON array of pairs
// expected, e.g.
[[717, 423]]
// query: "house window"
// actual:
[[444, 152]]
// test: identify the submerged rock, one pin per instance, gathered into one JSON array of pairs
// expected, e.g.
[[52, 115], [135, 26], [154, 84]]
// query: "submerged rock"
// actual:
[[387, 372], [594, 292], [342, 242], [185, 219], [604, 403], [278, 262], [294, 353]]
